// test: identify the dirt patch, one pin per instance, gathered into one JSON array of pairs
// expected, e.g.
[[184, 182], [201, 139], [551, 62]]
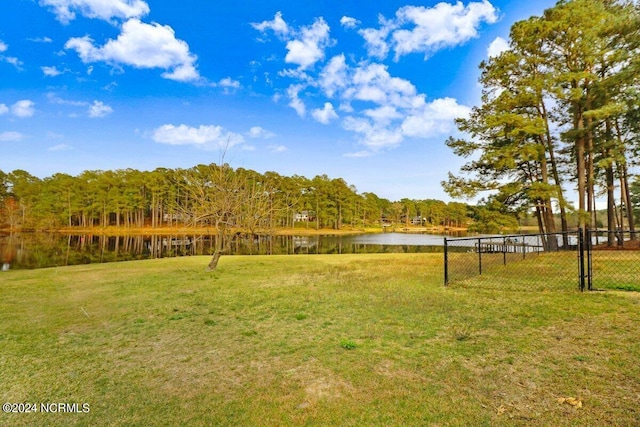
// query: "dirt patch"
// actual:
[[319, 383]]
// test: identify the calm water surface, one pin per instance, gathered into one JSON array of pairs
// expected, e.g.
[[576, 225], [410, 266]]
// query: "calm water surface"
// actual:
[[39, 250]]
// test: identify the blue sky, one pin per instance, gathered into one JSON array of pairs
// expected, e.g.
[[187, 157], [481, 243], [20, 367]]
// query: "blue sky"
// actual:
[[365, 91]]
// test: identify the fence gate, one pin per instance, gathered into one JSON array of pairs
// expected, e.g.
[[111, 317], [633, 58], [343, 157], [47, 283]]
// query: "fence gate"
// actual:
[[558, 256]]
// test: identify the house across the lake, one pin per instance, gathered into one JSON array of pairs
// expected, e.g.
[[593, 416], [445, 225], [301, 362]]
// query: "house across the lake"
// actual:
[[304, 216]]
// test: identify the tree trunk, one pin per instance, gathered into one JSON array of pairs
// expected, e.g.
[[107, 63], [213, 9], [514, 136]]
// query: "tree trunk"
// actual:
[[611, 216], [624, 185], [556, 175], [580, 167], [222, 244], [624, 178], [539, 219], [547, 206], [213, 264], [69, 205]]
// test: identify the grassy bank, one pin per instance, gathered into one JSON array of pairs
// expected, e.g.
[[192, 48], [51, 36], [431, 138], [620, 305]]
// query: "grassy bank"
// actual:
[[313, 340]]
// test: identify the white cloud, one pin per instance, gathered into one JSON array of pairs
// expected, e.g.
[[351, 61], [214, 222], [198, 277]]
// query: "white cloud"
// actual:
[[50, 71], [373, 136], [294, 100], [277, 148], [346, 107], [55, 99], [295, 74], [444, 25], [326, 114], [109, 87], [10, 136], [202, 136], [419, 29], [9, 59], [376, 40], [383, 115], [497, 46], [23, 108], [65, 10], [399, 111], [309, 47], [3, 109], [383, 132], [229, 82], [60, 147], [277, 25], [40, 40], [363, 153], [305, 46], [228, 85], [142, 45], [434, 118], [349, 22], [383, 110], [98, 109], [258, 132], [334, 76], [13, 61], [372, 82]]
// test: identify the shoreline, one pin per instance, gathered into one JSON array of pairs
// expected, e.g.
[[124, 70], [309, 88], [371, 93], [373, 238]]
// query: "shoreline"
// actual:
[[166, 231]]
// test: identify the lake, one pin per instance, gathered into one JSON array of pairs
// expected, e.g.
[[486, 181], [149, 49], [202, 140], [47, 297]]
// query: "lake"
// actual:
[[39, 250]]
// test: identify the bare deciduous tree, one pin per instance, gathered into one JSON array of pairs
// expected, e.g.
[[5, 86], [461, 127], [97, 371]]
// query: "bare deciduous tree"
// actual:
[[232, 202]]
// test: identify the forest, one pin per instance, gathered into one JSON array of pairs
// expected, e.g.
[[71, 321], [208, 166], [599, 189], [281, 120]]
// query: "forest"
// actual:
[[206, 196], [560, 114]]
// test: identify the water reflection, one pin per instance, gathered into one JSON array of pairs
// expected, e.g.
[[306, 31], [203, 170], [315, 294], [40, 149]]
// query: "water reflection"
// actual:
[[38, 250]]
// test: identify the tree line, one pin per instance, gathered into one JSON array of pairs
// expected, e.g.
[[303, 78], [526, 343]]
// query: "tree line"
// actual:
[[213, 195], [560, 113]]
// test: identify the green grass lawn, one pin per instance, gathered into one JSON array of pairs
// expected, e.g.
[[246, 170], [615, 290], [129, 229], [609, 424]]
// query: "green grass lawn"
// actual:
[[348, 340]]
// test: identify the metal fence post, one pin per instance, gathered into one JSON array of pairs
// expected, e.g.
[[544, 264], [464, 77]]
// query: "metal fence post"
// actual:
[[446, 263], [504, 251], [581, 259], [480, 257], [589, 244]]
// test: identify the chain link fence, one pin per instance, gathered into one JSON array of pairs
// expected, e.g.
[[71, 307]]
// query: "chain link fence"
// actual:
[[542, 259], [588, 259], [614, 259]]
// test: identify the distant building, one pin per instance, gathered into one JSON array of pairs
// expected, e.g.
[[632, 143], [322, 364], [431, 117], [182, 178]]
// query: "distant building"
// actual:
[[175, 217], [303, 216], [415, 220], [418, 220]]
